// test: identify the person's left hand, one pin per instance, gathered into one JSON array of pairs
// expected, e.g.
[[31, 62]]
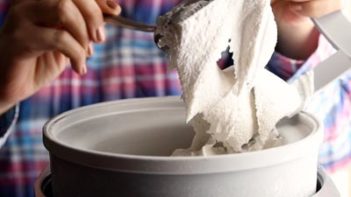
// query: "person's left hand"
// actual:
[[297, 37], [289, 11]]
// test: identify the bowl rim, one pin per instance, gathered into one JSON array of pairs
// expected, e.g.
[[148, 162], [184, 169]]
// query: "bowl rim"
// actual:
[[182, 164]]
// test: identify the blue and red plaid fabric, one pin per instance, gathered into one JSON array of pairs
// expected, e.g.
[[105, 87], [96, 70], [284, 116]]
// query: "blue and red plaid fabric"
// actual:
[[331, 105], [129, 65]]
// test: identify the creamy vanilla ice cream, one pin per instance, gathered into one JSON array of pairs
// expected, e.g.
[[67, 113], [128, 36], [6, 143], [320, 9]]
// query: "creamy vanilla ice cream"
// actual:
[[236, 109]]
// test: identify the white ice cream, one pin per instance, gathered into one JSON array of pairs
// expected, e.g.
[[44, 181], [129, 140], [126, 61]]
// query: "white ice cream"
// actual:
[[237, 109]]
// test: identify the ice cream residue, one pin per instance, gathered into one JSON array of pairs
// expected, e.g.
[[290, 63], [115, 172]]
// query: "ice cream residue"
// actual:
[[233, 110]]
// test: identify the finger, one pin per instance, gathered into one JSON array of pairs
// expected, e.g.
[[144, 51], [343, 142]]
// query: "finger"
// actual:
[[60, 59], [109, 7], [48, 39], [90, 50], [315, 8], [63, 13], [50, 64], [93, 18]]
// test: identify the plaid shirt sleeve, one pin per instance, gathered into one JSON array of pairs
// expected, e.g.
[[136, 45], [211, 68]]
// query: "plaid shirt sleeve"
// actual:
[[331, 105], [291, 69], [7, 123]]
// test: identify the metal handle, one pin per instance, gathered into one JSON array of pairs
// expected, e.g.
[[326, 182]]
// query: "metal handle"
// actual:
[[127, 23], [337, 29]]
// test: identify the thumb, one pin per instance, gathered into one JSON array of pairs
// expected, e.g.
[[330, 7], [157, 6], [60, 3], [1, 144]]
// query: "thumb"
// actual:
[[109, 7]]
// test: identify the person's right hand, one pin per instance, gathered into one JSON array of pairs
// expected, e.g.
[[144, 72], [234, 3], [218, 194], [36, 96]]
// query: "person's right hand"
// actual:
[[38, 38]]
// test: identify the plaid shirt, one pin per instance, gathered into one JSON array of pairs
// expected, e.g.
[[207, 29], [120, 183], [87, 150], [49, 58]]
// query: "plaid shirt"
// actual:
[[129, 65]]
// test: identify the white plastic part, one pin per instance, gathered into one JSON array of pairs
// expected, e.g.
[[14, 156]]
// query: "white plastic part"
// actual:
[[122, 148]]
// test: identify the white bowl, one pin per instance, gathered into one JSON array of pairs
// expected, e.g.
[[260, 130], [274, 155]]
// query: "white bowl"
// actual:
[[121, 149]]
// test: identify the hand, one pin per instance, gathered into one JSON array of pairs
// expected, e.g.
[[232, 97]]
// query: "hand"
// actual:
[[297, 37], [295, 11], [38, 38]]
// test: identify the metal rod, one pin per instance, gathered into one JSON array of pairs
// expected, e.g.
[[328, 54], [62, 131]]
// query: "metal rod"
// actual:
[[127, 23]]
